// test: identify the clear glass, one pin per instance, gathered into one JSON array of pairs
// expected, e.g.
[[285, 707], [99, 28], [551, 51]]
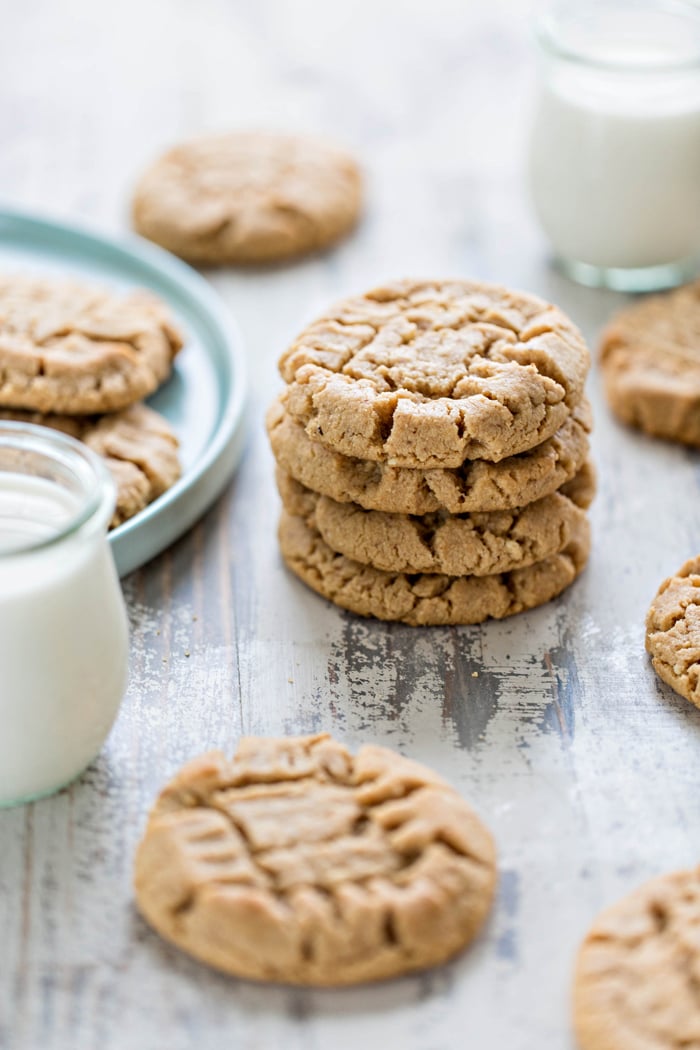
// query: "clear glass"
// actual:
[[615, 145], [63, 625]]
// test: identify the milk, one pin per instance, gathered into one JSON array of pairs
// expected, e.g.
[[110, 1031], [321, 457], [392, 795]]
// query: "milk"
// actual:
[[63, 638], [615, 148]]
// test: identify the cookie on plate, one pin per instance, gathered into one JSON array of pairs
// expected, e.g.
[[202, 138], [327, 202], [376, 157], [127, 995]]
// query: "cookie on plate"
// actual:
[[636, 982], [477, 485], [430, 373], [477, 544], [423, 599], [673, 631], [248, 197], [67, 347], [139, 446], [299, 862], [650, 357]]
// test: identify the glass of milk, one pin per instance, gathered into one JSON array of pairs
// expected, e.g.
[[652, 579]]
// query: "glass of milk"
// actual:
[[63, 627], [615, 146]]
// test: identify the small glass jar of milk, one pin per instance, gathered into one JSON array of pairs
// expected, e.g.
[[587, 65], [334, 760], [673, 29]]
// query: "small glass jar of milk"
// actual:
[[615, 147], [63, 627]]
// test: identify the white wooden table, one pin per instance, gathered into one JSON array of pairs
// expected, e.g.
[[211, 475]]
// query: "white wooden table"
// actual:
[[584, 766]]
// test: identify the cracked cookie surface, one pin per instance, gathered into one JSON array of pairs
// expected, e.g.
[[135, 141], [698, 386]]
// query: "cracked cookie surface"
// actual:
[[476, 544], [673, 631], [428, 374], [138, 445], [70, 348], [424, 599], [477, 485], [297, 861], [650, 358], [248, 197], [637, 982]]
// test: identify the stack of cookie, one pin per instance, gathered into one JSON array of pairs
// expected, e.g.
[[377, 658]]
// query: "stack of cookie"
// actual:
[[432, 451], [80, 359]]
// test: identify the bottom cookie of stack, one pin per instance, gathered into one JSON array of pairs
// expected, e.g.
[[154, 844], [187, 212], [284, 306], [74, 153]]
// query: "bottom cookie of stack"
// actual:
[[425, 598]]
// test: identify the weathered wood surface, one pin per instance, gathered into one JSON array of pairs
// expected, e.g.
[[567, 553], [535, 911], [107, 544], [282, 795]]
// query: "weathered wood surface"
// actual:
[[584, 766]]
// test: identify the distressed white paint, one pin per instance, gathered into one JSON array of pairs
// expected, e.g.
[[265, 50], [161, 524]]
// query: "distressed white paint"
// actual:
[[584, 766]]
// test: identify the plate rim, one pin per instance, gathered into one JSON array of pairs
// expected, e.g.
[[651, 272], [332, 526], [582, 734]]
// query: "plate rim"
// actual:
[[218, 459]]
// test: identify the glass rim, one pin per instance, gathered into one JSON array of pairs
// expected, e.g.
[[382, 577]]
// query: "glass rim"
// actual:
[[97, 488], [548, 36]]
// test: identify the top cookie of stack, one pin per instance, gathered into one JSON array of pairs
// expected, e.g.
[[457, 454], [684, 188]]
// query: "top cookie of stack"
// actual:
[[438, 429], [69, 353]]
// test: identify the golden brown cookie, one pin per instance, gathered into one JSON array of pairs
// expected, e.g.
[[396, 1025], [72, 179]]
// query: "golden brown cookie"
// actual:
[[297, 861], [140, 449], [477, 485], [421, 599], [428, 374], [638, 970], [452, 545], [673, 631], [248, 197], [650, 357], [70, 348]]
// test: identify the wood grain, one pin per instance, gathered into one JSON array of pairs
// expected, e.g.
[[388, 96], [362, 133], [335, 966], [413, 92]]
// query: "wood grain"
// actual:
[[552, 724]]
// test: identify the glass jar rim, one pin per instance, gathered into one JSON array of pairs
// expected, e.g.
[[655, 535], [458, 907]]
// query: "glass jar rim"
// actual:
[[97, 491], [549, 26]]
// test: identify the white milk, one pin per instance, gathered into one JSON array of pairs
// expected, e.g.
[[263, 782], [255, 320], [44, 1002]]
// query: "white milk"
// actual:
[[63, 639], [615, 150]]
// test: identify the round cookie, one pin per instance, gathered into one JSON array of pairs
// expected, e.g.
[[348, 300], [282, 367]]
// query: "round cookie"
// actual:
[[70, 348], [637, 974], [471, 544], [297, 861], [673, 631], [138, 445], [427, 374], [422, 599], [248, 197], [650, 358], [477, 485]]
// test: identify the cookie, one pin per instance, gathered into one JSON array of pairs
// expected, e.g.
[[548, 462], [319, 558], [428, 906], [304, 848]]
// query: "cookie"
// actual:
[[69, 348], [650, 358], [477, 485], [428, 374], [419, 598], [297, 861], [248, 197], [673, 631], [470, 544], [138, 445], [638, 970]]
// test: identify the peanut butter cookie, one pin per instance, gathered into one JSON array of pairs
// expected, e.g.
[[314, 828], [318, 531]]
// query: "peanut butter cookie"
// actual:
[[673, 631], [140, 449], [248, 197], [466, 545], [421, 598], [296, 861], [69, 348], [650, 357], [638, 970], [427, 374], [477, 485]]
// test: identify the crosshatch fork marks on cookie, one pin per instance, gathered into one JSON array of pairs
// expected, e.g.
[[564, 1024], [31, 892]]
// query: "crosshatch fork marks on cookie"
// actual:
[[314, 866]]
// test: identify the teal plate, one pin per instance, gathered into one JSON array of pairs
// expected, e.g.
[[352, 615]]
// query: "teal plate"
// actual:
[[204, 400]]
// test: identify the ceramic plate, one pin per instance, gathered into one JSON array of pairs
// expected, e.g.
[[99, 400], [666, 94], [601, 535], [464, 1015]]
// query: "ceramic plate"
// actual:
[[205, 398]]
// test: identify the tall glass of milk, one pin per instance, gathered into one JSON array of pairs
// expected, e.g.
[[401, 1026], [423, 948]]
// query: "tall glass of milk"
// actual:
[[615, 146], [63, 627]]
